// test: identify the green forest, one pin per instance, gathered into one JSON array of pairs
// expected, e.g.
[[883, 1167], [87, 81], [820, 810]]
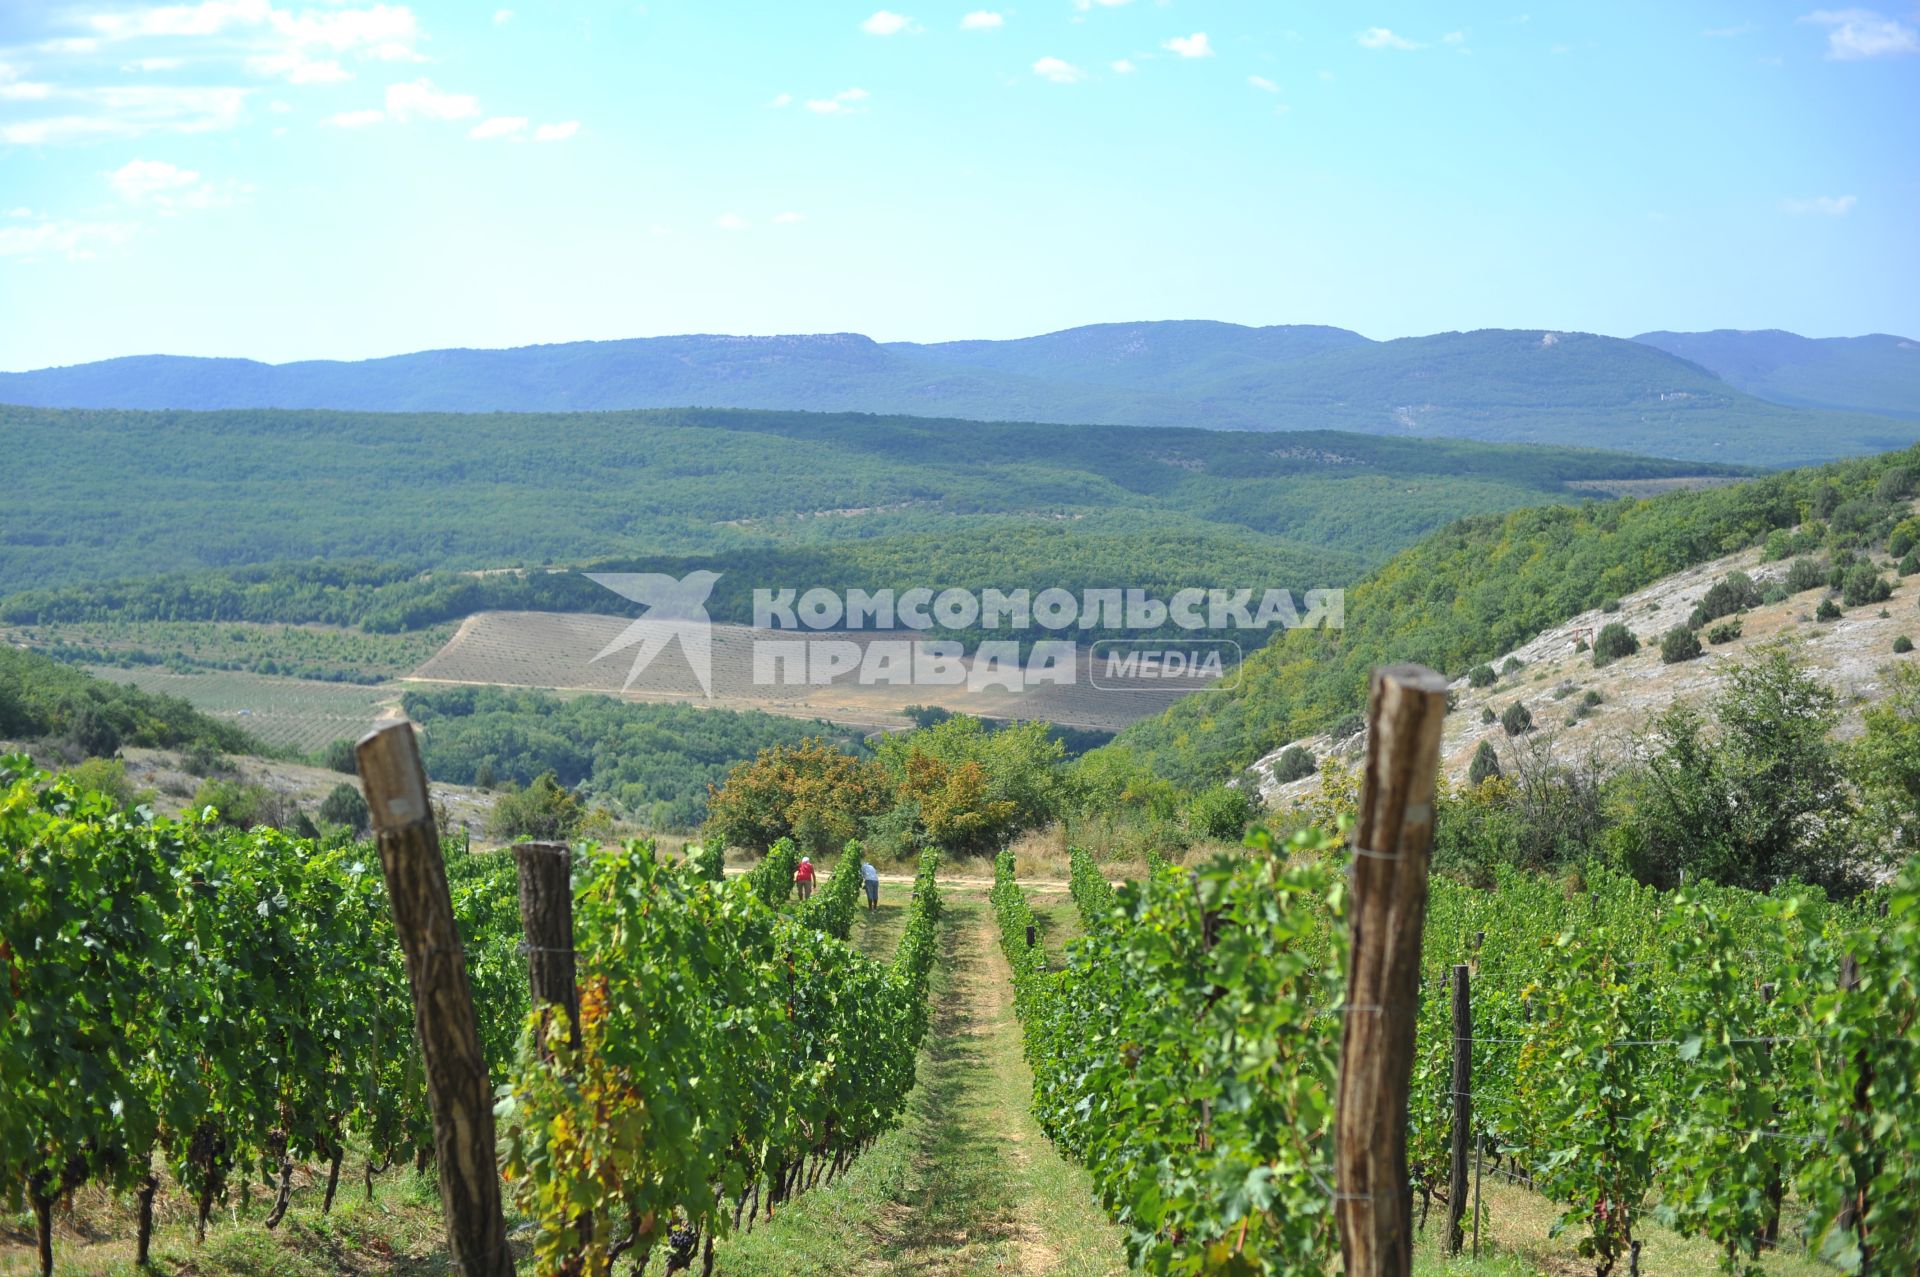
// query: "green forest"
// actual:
[[214, 496]]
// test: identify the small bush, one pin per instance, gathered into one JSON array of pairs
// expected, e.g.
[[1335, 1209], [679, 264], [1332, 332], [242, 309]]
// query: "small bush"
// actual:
[[1804, 575], [1517, 719], [1613, 642], [1486, 714], [1222, 813], [1910, 566], [1611, 605], [1351, 725], [1895, 485], [1902, 645], [1901, 541], [1775, 593], [1485, 765], [1296, 762], [1562, 691], [1863, 586], [1725, 632], [1592, 698], [1827, 611], [1679, 644], [1481, 676], [339, 757], [345, 806], [1513, 665]]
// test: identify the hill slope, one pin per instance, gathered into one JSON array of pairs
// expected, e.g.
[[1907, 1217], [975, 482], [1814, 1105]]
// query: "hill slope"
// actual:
[[1496, 384], [791, 499], [1876, 373], [1484, 586]]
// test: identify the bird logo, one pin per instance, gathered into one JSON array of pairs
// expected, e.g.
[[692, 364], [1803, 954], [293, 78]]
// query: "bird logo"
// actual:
[[676, 609]]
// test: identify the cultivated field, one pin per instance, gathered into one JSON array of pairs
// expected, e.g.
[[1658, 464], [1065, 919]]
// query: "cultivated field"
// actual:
[[288, 712], [557, 650]]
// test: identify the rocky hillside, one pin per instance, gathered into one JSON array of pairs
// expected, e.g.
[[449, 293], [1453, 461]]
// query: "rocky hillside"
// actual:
[[1554, 675]]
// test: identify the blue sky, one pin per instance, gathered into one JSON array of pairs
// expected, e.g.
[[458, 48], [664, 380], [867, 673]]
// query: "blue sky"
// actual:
[[279, 179]]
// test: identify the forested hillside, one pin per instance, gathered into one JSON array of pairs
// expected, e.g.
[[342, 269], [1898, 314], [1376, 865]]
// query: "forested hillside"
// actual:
[[1515, 385], [786, 499], [1875, 373], [1478, 588]]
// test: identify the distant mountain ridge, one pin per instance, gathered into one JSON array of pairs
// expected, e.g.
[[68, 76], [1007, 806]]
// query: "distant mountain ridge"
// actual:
[[1499, 385], [1875, 373]]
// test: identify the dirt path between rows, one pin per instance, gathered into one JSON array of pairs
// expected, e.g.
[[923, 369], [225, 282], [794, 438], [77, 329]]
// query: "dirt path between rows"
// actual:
[[986, 1193]]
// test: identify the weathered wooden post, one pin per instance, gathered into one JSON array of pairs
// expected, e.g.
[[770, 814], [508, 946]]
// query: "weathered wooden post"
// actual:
[[1386, 914], [457, 1084], [546, 920], [1462, 1105]]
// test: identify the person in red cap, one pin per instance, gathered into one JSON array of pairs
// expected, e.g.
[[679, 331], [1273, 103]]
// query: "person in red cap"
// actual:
[[803, 877]]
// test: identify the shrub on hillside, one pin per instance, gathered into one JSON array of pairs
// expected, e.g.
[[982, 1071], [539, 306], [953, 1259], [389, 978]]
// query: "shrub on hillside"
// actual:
[[1486, 714], [339, 757], [545, 811], [1485, 765], [1481, 676], [1827, 611], [1513, 665], [1295, 763], [1896, 484], [1804, 575], [1910, 566], [1864, 586], [1221, 813], [345, 806], [1725, 632], [242, 805], [1614, 641], [1679, 644], [1902, 645], [1775, 593], [1516, 719]]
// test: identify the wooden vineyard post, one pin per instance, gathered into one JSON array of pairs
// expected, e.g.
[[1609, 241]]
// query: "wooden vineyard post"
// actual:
[[546, 919], [457, 1084], [1387, 914], [1462, 1105]]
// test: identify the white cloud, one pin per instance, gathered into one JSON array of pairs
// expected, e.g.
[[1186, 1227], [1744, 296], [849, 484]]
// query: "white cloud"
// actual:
[[781, 101], [137, 181], [556, 132], [982, 20], [886, 22], [1190, 46], [24, 91], [1263, 84], [1084, 5], [1728, 33], [280, 108], [76, 241], [845, 102], [124, 110], [422, 100], [499, 126], [1823, 205], [502, 16], [1854, 34], [1122, 66], [297, 67], [1381, 38], [788, 219], [168, 188], [154, 64], [19, 212], [356, 119], [337, 30], [730, 222], [1454, 37], [1059, 71]]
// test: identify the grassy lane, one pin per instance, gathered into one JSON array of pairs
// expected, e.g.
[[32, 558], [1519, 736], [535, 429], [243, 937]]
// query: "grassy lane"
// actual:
[[968, 1185]]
